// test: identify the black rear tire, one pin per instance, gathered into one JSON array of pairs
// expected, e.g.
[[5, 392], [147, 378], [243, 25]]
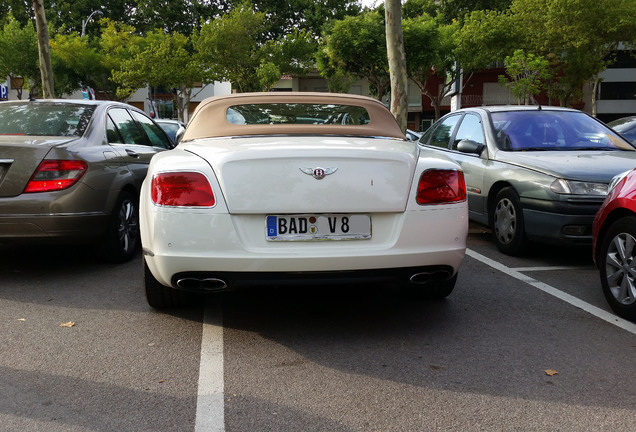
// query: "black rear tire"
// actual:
[[160, 296], [122, 237]]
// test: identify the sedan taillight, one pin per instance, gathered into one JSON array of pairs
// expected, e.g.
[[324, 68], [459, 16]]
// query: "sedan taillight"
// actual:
[[56, 175], [438, 186], [182, 189]]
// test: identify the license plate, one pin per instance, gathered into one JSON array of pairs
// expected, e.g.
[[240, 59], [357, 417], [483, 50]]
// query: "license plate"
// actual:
[[318, 227]]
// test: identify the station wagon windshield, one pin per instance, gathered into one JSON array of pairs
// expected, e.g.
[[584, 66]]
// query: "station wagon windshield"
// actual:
[[297, 113], [553, 130], [45, 119]]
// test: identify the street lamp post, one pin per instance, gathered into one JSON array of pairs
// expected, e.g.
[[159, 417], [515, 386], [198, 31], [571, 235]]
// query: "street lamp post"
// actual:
[[84, 22]]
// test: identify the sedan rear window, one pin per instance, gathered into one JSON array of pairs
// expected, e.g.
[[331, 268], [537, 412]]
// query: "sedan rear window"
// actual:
[[553, 130], [44, 118], [297, 113]]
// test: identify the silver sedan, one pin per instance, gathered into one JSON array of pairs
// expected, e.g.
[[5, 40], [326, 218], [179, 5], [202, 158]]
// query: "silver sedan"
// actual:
[[532, 173]]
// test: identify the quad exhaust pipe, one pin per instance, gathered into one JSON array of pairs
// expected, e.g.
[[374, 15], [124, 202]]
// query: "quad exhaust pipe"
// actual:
[[201, 284]]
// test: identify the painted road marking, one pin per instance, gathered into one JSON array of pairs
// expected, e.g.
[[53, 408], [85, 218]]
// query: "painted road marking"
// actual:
[[548, 268], [210, 416], [596, 311]]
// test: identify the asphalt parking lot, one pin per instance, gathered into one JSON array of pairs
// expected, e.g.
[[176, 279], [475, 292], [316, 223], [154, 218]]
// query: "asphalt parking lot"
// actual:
[[521, 344]]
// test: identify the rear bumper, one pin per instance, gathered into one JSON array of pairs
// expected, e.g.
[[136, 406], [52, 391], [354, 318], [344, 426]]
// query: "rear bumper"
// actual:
[[233, 248], [54, 227], [77, 214], [221, 281]]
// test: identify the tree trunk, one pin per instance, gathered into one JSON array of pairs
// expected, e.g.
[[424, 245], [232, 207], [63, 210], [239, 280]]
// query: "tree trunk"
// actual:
[[46, 71], [397, 61], [595, 84], [435, 103]]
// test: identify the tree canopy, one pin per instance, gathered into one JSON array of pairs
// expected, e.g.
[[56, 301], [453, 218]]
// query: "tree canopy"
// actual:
[[356, 46], [253, 43], [19, 53]]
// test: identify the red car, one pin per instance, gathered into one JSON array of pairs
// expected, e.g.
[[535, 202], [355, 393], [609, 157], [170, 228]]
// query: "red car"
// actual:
[[614, 235]]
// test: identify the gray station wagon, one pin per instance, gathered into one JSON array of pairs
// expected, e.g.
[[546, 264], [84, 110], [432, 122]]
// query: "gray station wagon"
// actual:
[[532, 173]]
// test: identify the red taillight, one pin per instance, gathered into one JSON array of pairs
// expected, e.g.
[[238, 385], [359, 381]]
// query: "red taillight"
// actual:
[[439, 186], [56, 175], [182, 189]]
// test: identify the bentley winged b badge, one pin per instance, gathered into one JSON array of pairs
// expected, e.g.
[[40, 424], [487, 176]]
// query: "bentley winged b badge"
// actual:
[[319, 173]]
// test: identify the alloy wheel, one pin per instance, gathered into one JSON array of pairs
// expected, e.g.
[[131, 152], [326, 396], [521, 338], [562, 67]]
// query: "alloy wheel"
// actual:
[[128, 231], [620, 268]]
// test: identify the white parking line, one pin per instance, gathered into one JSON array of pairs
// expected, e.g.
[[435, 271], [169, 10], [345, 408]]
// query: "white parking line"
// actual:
[[547, 268], [210, 415], [598, 312]]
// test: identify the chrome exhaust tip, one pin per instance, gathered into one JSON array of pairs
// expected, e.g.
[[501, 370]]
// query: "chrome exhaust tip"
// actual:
[[423, 278], [213, 284], [198, 284]]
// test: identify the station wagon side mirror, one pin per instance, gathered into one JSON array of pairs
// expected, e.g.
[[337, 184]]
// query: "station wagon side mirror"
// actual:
[[470, 146], [179, 135]]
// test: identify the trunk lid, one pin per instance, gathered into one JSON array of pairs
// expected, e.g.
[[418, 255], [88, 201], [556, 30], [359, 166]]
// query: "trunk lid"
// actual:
[[19, 157], [282, 174]]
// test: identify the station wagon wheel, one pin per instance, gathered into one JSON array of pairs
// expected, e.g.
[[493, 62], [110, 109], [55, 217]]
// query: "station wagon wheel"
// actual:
[[617, 266], [507, 223], [122, 237]]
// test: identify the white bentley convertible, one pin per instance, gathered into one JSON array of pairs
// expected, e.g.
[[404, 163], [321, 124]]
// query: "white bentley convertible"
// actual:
[[299, 188]]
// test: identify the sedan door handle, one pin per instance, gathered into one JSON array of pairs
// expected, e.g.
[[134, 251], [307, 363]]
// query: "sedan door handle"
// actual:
[[132, 153]]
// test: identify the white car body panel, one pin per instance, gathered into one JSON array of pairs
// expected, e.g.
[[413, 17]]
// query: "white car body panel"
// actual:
[[185, 239], [281, 174], [264, 174]]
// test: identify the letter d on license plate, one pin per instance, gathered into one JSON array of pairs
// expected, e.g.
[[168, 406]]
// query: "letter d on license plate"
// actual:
[[318, 227]]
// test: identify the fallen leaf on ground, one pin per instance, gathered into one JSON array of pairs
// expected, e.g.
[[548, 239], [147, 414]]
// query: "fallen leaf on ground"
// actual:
[[68, 324], [550, 372]]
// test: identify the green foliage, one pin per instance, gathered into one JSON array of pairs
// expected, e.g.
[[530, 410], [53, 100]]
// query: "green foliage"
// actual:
[[430, 47], [416, 8], [163, 60], [356, 46], [485, 38], [19, 52], [231, 47], [20, 10], [252, 44], [338, 80], [577, 35], [118, 43], [75, 63], [458, 10], [181, 16], [426, 49], [67, 16], [286, 17], [292, 53], [527, 73], [268, 74]]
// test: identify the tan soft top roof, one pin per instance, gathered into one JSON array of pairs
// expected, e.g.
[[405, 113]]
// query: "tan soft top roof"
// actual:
[[210, 117]]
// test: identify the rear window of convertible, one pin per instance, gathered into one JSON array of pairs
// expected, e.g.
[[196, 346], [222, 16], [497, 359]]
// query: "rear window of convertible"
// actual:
[[297, 113]]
